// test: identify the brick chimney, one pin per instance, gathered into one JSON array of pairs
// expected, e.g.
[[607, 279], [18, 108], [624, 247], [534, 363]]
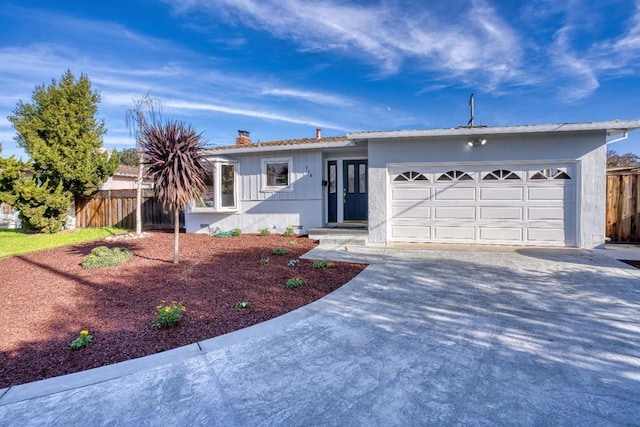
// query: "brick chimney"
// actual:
[[318, 133], [243, 138]]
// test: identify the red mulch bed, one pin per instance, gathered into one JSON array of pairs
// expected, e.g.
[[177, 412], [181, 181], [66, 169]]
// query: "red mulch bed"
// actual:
[[47, 298]]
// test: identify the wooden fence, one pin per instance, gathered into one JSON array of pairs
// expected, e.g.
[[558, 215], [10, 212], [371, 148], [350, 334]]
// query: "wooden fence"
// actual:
[[117, 208], [623, 206]]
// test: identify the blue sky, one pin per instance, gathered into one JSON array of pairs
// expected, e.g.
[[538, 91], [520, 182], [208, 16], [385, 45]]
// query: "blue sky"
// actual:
[[281, 68]]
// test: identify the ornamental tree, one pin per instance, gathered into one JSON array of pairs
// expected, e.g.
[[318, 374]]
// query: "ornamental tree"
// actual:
[[172, 155], [145, 113]]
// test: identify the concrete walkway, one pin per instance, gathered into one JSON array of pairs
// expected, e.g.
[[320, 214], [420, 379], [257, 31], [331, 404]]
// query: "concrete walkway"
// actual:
[[421, 337]]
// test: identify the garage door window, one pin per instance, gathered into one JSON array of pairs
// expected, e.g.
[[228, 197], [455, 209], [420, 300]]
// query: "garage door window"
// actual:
[[551, 173], [409, 176], [500, 175], [455, 176]]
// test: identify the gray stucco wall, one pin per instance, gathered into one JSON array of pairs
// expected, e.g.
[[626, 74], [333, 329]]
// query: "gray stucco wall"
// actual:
[[587, 148]]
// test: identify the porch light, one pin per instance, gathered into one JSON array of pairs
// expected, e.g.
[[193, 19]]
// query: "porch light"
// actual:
[[476, 142]]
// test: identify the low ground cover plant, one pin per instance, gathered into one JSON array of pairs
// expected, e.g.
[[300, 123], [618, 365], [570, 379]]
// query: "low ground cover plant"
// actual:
[[264, 231], [242, 305], [102, 256], [83, 340], [295, 282], [322, 264], [168, 315], [293, 263], [280, 251]]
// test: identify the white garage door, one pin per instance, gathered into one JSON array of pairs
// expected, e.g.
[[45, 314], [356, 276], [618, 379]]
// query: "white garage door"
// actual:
[[505, 204]]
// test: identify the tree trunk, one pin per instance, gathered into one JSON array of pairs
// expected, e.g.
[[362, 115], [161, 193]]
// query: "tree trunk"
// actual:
[[176, 234], [139, 194]]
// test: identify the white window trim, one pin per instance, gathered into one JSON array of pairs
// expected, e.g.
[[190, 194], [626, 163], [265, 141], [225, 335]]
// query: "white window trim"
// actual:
[[217, 190], [263, 178]]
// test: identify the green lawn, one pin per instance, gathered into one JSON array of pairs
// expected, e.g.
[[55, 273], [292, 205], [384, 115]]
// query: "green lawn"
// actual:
[[16, 242]]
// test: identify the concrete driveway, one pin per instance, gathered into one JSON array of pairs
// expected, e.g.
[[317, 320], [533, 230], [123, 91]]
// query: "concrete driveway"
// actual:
[[421, 337]]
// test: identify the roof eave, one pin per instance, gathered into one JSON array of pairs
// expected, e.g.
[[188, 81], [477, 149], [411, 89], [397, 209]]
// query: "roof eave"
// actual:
[[282, 147], [611, 128]]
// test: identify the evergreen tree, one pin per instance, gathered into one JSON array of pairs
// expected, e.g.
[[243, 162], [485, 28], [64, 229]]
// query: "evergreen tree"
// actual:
[[60, 132], [129, 157], [11, 170]]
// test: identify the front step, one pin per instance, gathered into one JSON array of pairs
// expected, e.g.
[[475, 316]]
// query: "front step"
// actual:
[[339, 236]]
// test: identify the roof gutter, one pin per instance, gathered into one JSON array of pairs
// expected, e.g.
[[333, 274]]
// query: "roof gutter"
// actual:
[[625, 135]]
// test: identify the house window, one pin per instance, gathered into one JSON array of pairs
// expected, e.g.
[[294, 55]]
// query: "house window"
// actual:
[[455, 176], [227, 186], [500, 175], [207, 199], [333, 180], [409, 176], [276, 174], [221, 189], [551, 173]]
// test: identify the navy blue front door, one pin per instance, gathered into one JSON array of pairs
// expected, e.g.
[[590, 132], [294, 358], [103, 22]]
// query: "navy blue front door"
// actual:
[[354, 192]]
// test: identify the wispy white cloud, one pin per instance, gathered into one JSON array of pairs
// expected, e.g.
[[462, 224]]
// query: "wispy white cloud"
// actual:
[[310, 96], [574, 75], [620, 54], [184, 105], [463, 43], [478, 44], [174, 84]]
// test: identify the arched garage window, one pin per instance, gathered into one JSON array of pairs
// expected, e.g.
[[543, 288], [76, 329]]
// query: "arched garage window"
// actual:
[[455, 176], [500, 175], [550, 173], [410, 176]]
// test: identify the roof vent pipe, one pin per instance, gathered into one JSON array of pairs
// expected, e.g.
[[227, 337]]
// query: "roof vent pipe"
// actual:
[[318, 133]]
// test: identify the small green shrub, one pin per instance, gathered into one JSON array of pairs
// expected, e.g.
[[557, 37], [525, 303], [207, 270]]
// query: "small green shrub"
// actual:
[[168, 315], [83, 340], [264, 261], [294, 282], [322, 264], [289, 232], [102, 256], [264, 231], [280, 251], [236, 232], [242, 305]]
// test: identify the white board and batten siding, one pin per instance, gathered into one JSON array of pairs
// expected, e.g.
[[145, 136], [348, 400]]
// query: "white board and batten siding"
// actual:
[[306, 176], [521, 204]]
